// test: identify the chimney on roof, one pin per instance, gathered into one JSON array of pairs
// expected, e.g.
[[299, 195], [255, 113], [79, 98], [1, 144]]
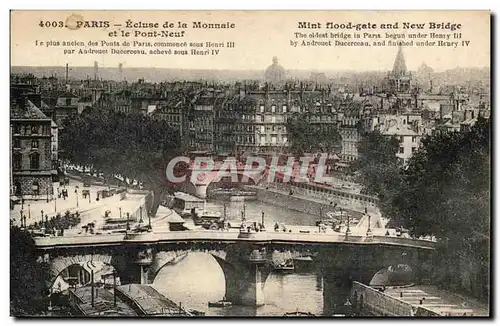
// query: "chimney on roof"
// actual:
[[67, 71], [96, 70]]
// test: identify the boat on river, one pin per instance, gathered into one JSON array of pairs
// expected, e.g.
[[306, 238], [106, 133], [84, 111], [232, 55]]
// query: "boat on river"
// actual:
[[220, 304], [299, 314], [285, 267], [196, 312]]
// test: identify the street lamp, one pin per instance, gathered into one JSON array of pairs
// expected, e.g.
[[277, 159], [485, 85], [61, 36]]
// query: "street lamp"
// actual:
[[42, 216], [119, 208], [29, 211], [76, 192], [128, 223], [47, 194], [244, 210], [140, 212], [348, 231], [21, 213]]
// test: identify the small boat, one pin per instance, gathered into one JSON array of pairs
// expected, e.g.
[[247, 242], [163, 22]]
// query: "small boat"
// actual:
[[285, 267], [196, 312], [299, 314], [220, 304]]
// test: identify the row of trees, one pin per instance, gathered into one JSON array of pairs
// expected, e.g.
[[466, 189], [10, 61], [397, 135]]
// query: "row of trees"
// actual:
[[134, 146], [27, 285], [443, 191]]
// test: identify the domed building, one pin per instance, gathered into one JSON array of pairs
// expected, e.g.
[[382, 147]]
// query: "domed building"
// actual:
[[275, 74]]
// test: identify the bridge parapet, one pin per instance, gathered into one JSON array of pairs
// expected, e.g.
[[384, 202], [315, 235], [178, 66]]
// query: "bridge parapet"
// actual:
[[149, 238]]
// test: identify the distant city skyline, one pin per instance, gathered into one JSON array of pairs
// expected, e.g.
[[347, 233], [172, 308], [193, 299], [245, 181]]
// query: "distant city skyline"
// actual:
[[258, 36]]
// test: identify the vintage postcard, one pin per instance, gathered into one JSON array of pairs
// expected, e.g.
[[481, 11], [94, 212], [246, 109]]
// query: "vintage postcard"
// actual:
[[250, 163]]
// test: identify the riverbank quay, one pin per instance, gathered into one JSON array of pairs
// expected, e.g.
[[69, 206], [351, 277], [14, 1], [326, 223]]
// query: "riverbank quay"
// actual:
[[414, 300], [306, 203], [147, 301]]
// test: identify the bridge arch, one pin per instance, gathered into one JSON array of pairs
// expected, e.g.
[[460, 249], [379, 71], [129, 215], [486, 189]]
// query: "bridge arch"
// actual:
[[227, 180], [237, 278], [393, 275], [60, 263], [164, 258]]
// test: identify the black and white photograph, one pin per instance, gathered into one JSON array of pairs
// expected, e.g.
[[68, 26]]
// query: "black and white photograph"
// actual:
[[285, 164]]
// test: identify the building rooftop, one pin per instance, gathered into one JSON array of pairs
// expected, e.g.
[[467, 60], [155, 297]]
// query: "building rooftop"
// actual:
[[400, 130], [29, 111]]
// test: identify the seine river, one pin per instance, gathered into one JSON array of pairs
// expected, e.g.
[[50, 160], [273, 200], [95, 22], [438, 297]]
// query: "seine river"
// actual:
[[198, 278]]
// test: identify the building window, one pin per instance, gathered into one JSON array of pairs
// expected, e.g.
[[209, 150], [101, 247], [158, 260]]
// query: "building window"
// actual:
[[262, 140], [262, 108], [273, 139], [273, 119], [68, 101], [34, 130], [414, 139], [273, 108], [262, 129], [284, 108], [17, 129], [16, 143], [401, 150], [34, 143], [17, 159], [34, 161], [413, 149]]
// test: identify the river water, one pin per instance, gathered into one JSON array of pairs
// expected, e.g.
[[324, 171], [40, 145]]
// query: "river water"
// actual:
[[198, 278]]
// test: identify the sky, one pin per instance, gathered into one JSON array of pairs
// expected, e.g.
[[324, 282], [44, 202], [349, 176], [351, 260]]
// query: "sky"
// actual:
[[258, 36]]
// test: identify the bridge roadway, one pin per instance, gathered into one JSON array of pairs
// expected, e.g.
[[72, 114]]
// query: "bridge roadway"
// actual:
[[270, 237]]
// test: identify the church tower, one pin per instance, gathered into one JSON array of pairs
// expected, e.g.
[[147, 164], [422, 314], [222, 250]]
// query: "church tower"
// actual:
[[399, 79]]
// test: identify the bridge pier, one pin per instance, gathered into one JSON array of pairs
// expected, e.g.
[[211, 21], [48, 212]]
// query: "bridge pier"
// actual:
[[249, 290], [336, 287], [142, 262], [246, 270]]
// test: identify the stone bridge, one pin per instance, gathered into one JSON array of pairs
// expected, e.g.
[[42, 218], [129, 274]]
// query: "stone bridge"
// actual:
[[198, 181], [246, 259]]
